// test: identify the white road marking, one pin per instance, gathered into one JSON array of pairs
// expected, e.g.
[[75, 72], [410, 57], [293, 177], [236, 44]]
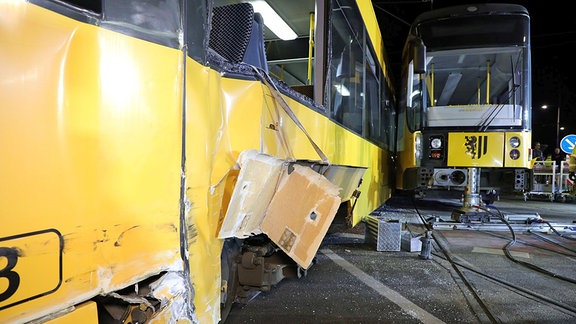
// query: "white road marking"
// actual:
[[500, 252], [395, 297]]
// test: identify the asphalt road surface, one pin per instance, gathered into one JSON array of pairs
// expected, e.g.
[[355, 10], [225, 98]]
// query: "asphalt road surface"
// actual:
[[474, 274]]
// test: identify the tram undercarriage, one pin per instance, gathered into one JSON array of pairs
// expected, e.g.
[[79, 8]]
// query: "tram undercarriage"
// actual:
[[475, 187]]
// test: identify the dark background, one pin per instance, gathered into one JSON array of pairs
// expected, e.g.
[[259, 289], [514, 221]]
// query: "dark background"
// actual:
[[553, 36]]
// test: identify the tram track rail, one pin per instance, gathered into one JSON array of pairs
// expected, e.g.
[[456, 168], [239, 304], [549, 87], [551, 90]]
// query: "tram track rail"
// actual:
[[486, 305], [470, 276]]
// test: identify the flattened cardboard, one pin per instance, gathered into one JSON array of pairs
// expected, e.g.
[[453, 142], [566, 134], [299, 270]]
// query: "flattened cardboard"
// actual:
[[300, 213], [255, 186], [292, 204]]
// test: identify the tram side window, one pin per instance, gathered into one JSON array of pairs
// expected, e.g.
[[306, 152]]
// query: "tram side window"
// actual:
[[348, 97], [347, 70], [379, 103], [372, 96], [358, 96], [288, 62]]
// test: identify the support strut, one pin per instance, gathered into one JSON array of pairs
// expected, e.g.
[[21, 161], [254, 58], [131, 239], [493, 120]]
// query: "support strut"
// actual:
[[472, 200]]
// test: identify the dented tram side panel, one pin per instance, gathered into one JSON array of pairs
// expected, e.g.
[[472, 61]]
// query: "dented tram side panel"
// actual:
[[85, 208], [121, 144]]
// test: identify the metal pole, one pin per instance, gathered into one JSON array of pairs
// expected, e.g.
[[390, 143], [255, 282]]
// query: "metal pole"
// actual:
[[558, 119], [558, 128], [472, 197], [310, 49]]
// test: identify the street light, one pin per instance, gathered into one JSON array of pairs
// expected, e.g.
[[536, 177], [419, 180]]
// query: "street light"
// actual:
[[558, 128]]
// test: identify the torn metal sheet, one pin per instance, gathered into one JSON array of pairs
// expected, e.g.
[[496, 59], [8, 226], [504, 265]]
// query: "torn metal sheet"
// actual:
[[348, 178], [172, 289]]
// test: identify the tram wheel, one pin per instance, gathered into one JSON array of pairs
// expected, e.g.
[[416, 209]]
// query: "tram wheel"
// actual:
[[229, 276]]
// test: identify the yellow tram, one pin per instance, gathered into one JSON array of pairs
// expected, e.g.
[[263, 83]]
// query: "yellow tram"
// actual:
[[130, 128], [465, 114]]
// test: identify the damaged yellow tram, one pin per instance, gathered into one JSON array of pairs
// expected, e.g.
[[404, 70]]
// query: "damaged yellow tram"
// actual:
[[162, 159]]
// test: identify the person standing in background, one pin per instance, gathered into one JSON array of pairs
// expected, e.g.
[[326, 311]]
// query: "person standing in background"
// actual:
[[559, 157], [538, 155], [537, 152]]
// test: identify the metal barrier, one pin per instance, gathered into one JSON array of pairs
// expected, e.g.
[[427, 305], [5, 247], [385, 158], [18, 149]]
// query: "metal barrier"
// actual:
[[550, 181]]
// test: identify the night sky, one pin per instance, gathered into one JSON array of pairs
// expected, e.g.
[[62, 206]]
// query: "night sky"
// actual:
[[553, 30]]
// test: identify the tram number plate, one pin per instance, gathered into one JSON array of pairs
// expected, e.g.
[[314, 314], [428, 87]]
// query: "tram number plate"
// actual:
[[30, 266]]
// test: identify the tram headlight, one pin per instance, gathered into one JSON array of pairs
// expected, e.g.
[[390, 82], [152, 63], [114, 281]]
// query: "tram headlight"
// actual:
[[418, 146], [514, 142], [436, 147], [435, 142], [514, 154]]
